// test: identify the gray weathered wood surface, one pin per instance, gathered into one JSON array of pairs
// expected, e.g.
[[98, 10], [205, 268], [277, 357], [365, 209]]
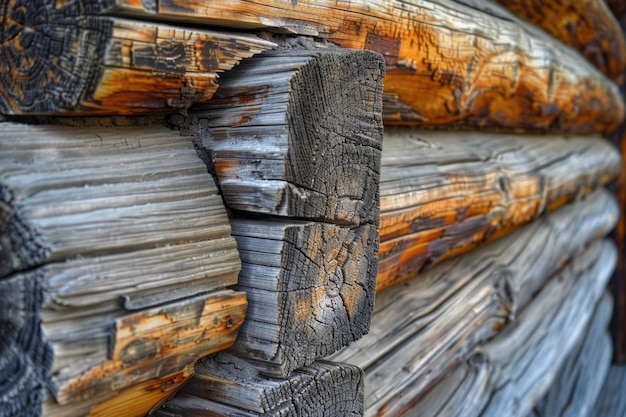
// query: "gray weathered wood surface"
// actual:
[[466, 388], [524, 359], [422, 327], [310, 289], [298, 133], [577, 386], [295, 135], [612, 401], [116, 250], [221, 381], [443, 193]]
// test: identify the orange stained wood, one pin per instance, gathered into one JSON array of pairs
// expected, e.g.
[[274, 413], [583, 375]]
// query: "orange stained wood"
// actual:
[[446, 63], [407, 254], [587, 25], [108, 65], [162, 341], [141, 399]]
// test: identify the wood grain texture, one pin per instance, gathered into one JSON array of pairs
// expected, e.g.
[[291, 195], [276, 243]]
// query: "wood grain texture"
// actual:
[[310, 288], [579, 382], [447, 63], [116, 250], [321, 389], [588, 26], [466, 389], [612, 402], [68, 192], [87, 355], [525, 358], [444, 193], [65, 58], [298, 133], [424, 326]]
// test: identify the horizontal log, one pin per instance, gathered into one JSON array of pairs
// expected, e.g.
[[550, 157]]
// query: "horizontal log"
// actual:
[[578, 383], [447, 63], [91, 353], [310, 288], [466, 388], [525, 358], [68, 192], [65, 58], [222, 381], [612, 402], [116, 249], [588, 26], [443, 193], [421, 328], [298, 133]]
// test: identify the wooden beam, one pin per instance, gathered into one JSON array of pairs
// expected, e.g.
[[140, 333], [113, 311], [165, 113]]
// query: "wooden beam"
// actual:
[[465, 389], [443, 193], [588, 26], [116, 253], [69, 192], [222, 381], [65, 58], [298, 133], [310, 288], [579, 382], [540, 339], [612, 402], [424, 326], [447, 62]]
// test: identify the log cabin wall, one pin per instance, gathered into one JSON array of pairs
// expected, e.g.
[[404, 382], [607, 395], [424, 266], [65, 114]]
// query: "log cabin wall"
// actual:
[[259, 210]]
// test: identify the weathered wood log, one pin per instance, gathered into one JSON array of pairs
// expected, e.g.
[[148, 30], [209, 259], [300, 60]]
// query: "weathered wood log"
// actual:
[[116, 248], [466, 389], [612, 401], [588, 26], [64, 57], [89, 353], [310, 288], [421, 328], [447, 63], [524, 359], [577, 386], [223, 381], [443, 193], [69, 192], [298, 133]]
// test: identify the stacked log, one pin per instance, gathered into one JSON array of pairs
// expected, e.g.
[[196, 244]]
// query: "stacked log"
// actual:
[[426, 326], [444, 193], [106, 316], [289, 139], [448, 63], [116, 255]]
